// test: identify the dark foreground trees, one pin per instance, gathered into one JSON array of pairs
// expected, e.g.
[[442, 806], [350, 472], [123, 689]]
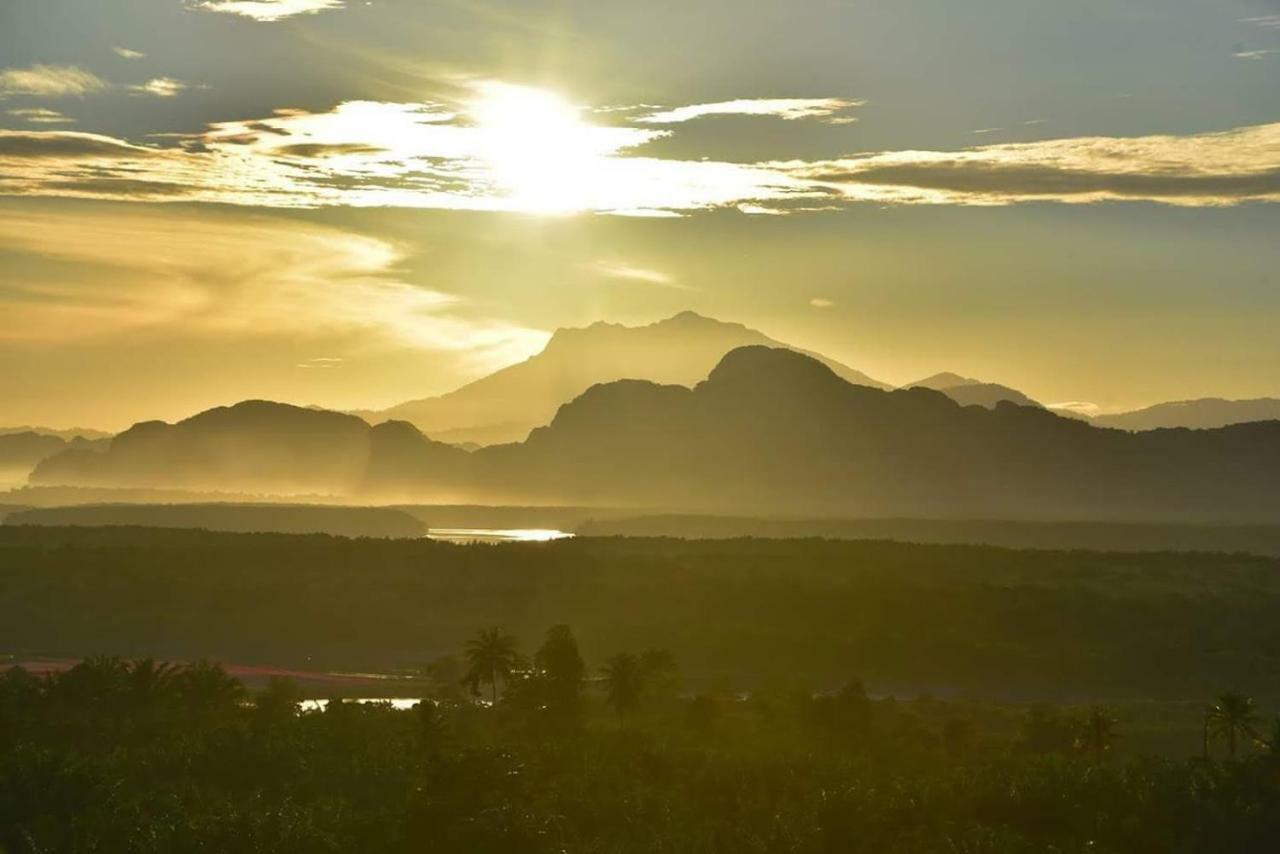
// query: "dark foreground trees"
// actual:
[[124, 757]]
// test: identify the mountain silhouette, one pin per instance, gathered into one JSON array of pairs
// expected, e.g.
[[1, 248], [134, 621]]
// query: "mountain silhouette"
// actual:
[[774, 432], [506, 405], [22, 449], [971, 392], [255, 446], [769, 432], [1204, 413]]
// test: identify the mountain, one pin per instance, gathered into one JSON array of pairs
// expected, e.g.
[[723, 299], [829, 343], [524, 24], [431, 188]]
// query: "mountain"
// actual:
[[21, 450], [1204, 413], [971, 392], [254, 446], [776, 433], [505, 406], [769, 432]]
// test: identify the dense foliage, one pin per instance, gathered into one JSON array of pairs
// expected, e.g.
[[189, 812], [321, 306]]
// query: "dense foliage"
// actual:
[[737, 614], [122, 757]]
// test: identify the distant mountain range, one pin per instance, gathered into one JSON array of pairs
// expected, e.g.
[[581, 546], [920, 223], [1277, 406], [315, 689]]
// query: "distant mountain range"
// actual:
[[505, 406], [22, 448], [1202, 414], [970, 392], [769, 431]]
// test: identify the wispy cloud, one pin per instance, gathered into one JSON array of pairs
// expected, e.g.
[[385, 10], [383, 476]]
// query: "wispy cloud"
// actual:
[[535, 154], [1268, 22], [1255, 54], [790, 109], [126, 53], [821, 302], [322, 362], [632, 273], [268, 10], [50, 81], [1222, 168], [41, 116], [160, 87], [193, 274]]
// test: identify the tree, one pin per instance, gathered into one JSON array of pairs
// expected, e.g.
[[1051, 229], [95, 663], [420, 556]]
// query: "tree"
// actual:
[[278, 702], [1233, 715], [208, 692], [433, 731], [624, 682], [1097, 732], [493, 657], [560, 666]]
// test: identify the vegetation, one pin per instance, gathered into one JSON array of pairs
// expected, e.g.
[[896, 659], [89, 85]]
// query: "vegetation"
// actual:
[[147, 757], [737, 614]]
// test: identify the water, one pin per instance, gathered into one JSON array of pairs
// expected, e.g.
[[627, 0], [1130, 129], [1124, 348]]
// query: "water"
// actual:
[[400, 704], [496, 535]]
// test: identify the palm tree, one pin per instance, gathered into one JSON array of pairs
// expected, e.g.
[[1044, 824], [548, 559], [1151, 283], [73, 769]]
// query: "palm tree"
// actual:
[[624, 679], [151, 682], [1097, 733], [209, 692], [1233, 715], [493, 656]]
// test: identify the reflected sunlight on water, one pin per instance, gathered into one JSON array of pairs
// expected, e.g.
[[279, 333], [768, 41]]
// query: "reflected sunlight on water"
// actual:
[[496, 535], [400, 704]]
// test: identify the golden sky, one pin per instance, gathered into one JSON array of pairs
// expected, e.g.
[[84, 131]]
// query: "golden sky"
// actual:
[[355, 203]]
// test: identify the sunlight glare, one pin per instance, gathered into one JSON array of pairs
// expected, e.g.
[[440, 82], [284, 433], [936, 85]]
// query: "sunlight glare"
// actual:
[[538, 148]]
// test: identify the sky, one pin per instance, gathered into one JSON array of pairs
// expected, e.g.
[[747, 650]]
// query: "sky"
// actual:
[[351, 204]]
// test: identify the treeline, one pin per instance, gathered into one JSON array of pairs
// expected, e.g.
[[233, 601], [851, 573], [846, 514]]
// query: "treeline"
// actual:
[[545, 754], [738, 614]]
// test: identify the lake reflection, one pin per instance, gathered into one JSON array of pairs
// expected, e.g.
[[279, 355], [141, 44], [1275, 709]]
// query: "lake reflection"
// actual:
[[496, 535]]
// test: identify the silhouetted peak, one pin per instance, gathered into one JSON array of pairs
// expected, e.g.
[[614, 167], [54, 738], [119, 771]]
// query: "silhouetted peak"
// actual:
[[944, 380], [686, 322], [758, 364], [398, 431]]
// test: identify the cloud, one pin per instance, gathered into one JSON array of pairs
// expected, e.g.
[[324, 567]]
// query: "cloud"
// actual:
[[1254, 54], [268, 10], [143, 272], [321, 362], [126, 53], [821, 302], [527, 151], [50, 81], [788, 109], [632, 273], [41, 116], [160, 87], [1208, 169], [1268, 22], [19, 146]]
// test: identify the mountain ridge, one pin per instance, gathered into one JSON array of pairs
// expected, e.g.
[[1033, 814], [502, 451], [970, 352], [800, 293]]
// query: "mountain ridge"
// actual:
[[507, 404]]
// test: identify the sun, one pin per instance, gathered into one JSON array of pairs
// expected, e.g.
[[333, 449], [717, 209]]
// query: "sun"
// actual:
[[538, 149]]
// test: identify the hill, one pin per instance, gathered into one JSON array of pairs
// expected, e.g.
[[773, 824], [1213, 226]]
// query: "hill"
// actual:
[[506, 405], [770, 432], [1202, 414], [254, 446], [970, 392]]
